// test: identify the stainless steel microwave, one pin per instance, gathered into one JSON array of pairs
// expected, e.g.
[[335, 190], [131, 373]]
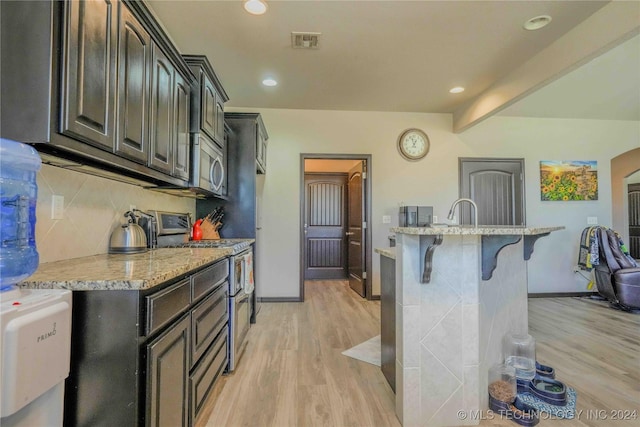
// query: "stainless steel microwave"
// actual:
[[208, 165]]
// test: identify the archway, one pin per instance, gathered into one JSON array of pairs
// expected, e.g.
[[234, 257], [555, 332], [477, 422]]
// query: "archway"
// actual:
[[621, 167]]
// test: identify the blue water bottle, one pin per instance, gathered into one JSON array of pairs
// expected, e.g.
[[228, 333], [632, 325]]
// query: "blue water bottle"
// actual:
[[19, 164]]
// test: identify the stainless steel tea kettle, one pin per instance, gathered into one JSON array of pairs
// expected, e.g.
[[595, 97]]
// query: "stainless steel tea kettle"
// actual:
[[128, 238]]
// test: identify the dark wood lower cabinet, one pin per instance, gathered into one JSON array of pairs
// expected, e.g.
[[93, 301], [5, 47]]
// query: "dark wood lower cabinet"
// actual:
[[167, 374], [148, 358]]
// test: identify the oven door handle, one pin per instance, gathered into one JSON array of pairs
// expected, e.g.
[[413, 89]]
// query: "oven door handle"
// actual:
[[216, 187]]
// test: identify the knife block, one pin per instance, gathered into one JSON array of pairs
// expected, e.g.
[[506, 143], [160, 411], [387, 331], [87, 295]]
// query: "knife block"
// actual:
[[209, 230]]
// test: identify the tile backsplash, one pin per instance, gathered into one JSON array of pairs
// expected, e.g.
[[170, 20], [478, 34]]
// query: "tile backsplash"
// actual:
[[93, 207]]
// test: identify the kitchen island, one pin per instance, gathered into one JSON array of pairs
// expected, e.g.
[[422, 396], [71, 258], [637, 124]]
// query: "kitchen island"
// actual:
[[149, 331], [459, 290]]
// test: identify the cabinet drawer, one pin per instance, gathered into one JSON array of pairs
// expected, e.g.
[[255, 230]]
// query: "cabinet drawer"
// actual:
[[204, 376], [208, 279], [207, 319], [167, 304]]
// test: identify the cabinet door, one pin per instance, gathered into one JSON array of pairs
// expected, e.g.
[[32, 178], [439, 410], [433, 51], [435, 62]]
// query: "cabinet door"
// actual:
[[208, 119], [167, 377], [89, 78], [219, 119], [181, 113], [133, 88], [225, 162], [261, 150], [162, 139]]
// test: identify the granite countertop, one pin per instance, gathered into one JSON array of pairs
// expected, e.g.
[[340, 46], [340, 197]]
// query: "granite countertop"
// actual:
[[388, 252], [122, 272], [480, 230]]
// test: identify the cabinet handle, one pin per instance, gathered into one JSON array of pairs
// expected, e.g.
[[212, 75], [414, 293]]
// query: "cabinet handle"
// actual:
[[349, 233]]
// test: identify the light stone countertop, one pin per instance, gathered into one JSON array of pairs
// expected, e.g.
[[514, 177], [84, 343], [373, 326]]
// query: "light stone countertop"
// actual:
[[122, 272], [480, 230], [388, 252]]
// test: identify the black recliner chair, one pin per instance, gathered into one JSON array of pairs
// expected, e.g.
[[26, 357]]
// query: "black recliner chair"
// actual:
[[617, 275]]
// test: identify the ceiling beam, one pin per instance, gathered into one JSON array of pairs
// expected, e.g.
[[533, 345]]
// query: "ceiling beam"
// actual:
[[615, 23]]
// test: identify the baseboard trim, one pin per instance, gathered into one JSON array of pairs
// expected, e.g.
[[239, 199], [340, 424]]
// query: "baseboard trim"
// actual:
[[280, 299], [562, 294]]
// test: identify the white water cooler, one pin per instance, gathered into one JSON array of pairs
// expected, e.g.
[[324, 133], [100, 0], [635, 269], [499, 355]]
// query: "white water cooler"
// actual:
[[35, 345]]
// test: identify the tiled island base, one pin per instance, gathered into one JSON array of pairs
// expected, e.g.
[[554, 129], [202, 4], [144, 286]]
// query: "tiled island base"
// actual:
[[449, 331]]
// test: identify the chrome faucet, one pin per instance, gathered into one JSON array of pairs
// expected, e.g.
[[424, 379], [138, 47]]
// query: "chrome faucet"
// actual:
[[475, 210]]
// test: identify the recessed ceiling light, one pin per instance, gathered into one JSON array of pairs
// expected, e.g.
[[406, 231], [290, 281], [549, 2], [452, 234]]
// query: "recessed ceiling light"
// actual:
[[456, 89], [537, 22], [255, 7], [269, 82]]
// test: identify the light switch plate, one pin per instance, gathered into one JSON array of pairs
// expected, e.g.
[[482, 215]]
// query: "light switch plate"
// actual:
[[435, 219], [592, 220], [386, 219], [57, 207]]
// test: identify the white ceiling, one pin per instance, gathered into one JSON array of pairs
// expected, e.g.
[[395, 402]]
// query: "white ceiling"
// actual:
[[606, 88], [399, 56]]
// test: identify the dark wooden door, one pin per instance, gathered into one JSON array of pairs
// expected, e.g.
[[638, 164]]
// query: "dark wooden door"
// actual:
[[133, 89], [181, 131], [497, 187], [634, 220], [89, 77], [160, 150], [356, 236], [325, 226], [167, 376]]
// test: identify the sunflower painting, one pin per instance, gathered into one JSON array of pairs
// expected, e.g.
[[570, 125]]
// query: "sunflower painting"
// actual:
[[568, 180]]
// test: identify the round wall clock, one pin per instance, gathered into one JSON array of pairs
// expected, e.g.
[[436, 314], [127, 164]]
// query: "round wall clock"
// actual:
[[413, 144]]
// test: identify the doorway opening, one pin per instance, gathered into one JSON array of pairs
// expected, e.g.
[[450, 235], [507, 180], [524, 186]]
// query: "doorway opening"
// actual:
[[335, 211], [623, 170]]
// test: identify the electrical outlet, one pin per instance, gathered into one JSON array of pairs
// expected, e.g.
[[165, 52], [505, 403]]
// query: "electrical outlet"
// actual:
[[386, 219], [592, 220], [57, 207], [132, 207], [435, 219]]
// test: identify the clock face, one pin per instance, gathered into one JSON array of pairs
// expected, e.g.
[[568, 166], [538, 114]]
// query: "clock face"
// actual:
[[413, 144]]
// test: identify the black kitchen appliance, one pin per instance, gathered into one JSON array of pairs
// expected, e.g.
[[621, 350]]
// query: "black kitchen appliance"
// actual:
[[415, 216]]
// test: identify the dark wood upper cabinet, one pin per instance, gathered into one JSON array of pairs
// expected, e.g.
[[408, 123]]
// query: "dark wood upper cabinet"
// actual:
[[161, 150], [133, 88], [261, 148], [102, 86], [208, 98], [208, 119], [181, 160], [88, 95], [220, 118]]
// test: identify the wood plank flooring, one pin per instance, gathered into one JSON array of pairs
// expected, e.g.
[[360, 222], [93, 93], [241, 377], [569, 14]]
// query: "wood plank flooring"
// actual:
[[293, 372]]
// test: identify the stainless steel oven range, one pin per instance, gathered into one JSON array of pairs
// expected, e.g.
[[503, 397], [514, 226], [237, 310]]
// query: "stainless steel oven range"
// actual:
[[173, 231]]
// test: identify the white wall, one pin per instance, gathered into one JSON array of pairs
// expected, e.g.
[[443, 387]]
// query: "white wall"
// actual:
[[432, 181], [551, 266], [93, 208]]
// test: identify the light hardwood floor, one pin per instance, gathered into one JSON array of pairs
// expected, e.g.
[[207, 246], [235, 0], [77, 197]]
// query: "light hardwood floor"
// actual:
[[293, 372]]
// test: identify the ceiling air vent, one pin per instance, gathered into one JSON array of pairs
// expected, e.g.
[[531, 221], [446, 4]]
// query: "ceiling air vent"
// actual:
[[304, 40]]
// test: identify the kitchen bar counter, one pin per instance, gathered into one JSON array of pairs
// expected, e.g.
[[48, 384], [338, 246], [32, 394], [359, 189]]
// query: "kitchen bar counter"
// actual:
[[458, 291], [485, 230], [388, 252], [122, 272]]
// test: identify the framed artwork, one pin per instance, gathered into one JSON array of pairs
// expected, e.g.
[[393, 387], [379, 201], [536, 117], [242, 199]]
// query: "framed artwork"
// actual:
[[567, 180]]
